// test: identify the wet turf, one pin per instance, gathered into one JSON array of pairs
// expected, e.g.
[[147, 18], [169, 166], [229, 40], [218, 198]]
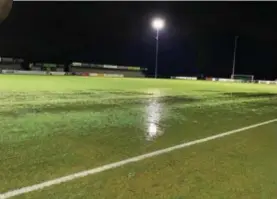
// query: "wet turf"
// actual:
[[53, 126], [237, 167]]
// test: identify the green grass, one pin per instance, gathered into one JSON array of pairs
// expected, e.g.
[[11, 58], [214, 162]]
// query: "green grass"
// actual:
[[54, 126], [240, 166]]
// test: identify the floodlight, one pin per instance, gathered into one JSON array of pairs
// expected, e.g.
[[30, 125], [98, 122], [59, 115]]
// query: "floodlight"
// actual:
[[158, 23]]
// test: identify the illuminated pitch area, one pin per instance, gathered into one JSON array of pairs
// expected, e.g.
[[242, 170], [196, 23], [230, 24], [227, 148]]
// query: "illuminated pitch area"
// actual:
[[54, 126]]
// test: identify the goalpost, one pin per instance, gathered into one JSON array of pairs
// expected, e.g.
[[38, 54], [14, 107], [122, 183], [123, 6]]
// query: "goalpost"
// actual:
[[239, 77], [243, 78]]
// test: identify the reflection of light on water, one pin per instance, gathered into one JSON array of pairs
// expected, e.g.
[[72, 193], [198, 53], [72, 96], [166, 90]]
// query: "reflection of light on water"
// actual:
[[152, 129], [153, 114]]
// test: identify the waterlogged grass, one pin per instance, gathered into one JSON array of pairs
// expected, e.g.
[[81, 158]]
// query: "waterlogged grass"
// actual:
[[242, 166], [53, 126]]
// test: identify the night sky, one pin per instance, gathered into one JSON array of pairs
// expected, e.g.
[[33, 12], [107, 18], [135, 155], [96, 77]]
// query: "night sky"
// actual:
[[198, 37]]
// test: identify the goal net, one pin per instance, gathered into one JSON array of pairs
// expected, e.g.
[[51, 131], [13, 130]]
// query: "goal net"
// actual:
[[243, 78]]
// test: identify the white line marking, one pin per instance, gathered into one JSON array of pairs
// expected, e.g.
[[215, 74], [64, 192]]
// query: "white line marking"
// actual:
[[106, 167]]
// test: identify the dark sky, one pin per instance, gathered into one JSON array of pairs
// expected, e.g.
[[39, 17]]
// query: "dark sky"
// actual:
[[198, 37]]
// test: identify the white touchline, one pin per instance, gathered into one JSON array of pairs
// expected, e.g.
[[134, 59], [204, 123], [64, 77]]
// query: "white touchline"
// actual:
[[106, 167]]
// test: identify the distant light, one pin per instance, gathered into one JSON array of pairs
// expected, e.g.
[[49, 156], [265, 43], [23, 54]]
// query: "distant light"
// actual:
[[158, 23]]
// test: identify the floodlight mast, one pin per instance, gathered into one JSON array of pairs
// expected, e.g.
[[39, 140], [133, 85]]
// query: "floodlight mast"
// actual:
[[157, 24], [234, 58]]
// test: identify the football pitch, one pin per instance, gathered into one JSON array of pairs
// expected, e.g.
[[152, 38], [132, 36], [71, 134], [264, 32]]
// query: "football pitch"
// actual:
[[122, 138]]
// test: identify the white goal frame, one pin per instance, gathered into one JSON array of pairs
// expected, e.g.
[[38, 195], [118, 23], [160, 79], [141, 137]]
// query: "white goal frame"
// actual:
[[243, 75]]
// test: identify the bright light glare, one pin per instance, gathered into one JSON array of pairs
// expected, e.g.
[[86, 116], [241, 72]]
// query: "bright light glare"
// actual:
[[154, 110], [158, 23], [152, 130]]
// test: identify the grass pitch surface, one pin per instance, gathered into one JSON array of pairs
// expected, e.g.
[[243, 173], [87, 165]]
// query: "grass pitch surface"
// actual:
[[55, 126]]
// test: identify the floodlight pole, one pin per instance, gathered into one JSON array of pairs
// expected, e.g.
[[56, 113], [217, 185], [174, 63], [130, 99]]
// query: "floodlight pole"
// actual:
[[157, 53], [234, 58]]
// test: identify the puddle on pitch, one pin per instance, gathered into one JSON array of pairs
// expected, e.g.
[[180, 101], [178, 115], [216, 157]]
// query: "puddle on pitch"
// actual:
[[154, 111]]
